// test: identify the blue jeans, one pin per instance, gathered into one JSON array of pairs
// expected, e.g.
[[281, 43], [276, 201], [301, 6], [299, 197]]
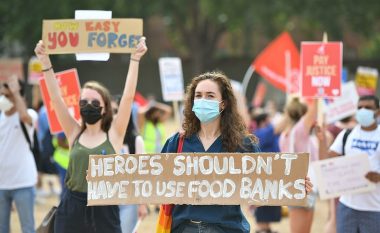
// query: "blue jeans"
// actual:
[[24, 200], [355, 221], [201, 227], [128, 217], [62, 175]]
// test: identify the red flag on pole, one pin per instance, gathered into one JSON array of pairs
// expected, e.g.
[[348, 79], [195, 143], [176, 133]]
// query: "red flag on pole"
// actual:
[[279, 62]]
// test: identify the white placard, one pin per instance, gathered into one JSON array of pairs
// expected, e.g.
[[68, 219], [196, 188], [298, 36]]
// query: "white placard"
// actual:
[[92, 14], [171, 78], [342, 175], [343, 106]]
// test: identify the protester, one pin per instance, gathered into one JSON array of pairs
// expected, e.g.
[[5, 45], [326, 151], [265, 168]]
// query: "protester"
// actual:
[[18, 172], [332, 132], [296, 137], [268, 135], [209, 102], [360, 213], [150, 121], [97, 134], [61, 157], [132, 144]]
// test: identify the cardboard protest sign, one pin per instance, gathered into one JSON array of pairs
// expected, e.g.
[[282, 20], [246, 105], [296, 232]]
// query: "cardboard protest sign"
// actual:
[[91, 36], [171, 78], [198, 179], [343, 106], [343, 175], [321, 69], [34, 71], [11, 66], [70, 90], [366, 80], [284, 71]]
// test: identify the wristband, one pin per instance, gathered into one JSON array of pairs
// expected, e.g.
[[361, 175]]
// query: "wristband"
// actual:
[[136, 60], [47, 69]]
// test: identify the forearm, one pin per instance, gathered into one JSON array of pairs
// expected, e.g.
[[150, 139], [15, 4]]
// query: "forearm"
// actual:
[[22, 109]]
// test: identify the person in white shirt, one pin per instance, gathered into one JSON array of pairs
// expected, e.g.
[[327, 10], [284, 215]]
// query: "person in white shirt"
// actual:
[[360, 213], [18, 172]]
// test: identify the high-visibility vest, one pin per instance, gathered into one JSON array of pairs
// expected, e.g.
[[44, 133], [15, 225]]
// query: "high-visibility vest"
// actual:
[[149, 134], [61, 155]]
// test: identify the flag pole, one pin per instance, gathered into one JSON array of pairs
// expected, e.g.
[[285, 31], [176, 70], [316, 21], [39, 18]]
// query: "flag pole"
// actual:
[[247, 78], [320, 117]]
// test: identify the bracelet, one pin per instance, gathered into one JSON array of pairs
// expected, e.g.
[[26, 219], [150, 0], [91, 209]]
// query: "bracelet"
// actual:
[[47, 69], [136, 60]]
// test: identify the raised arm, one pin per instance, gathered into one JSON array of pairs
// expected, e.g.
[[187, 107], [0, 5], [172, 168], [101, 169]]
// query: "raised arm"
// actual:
[[120, 123], [311, 114], [68, 123], [14, 88]]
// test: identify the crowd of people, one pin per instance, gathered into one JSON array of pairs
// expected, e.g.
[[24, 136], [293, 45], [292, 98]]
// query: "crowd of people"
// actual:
[[116, 125]]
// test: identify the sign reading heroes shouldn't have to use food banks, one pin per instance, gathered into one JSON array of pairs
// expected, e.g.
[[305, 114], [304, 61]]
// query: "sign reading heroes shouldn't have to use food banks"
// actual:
[[198, 179], [91, 36]]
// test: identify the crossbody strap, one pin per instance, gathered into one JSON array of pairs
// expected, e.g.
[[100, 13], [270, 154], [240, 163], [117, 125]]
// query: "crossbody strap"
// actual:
[[180, 143], [26, 135]]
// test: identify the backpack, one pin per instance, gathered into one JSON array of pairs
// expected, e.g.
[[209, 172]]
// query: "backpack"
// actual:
[[35, 148], [345, 136]]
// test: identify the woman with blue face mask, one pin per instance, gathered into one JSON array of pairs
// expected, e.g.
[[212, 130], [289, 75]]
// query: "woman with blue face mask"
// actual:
[[211, 124]]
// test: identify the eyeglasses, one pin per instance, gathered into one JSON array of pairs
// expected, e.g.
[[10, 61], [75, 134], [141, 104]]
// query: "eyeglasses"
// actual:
[[94, 103]]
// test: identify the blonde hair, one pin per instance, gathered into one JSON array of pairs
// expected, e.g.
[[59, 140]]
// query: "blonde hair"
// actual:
[[295, 109]]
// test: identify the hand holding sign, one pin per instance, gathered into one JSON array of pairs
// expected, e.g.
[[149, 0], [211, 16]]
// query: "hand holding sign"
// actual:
[[140, 50], [42, 55]]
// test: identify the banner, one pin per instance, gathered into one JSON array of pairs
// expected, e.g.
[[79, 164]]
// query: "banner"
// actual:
[[279, 64], [366, 80], [343, 175], [11, 66], [91, 36], [321, 68], [198, 179], [70, 90], [171, 78], [343, 106]]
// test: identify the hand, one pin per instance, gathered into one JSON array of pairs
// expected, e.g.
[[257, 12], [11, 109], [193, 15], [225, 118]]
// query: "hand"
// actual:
[[142, 211], [320, 132], [373, 177], [42, 55], [308, 185], [140, 49], [13, 85]]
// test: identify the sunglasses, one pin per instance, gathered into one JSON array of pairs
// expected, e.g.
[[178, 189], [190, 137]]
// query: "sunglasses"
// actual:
[[94, 103]]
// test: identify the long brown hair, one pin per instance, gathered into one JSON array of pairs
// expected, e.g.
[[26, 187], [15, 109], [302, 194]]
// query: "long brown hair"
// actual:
[[105, 94], [233, 129]]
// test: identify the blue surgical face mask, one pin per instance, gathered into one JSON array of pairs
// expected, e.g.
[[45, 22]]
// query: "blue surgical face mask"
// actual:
[[365, 117], [206, 110]]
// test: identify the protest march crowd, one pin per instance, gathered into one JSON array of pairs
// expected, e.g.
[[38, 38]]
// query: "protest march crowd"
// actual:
[[214, 119]]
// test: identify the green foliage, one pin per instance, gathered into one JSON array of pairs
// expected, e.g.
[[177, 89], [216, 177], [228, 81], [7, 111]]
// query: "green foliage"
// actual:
[[195, 26]]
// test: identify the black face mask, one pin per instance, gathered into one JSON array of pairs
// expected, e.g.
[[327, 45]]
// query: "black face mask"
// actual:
[[90, 114]]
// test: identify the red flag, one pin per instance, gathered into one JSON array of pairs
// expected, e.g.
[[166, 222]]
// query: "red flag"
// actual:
[[280, 61]]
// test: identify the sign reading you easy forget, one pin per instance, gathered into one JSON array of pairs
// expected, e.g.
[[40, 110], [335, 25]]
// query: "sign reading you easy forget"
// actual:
[[198, 179], [91, 36]]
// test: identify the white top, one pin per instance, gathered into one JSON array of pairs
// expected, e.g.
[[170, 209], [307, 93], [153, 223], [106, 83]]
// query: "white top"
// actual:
[[362, 142], [139, 146], [17, 166]]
